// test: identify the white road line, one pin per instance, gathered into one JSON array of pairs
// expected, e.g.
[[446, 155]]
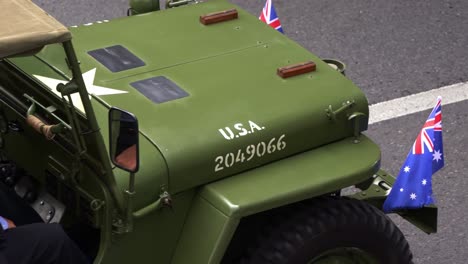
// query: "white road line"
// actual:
[[417, 102]]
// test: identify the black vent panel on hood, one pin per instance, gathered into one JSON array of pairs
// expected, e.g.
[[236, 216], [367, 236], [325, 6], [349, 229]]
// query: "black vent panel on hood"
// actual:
[[159, 89], [116, 58]]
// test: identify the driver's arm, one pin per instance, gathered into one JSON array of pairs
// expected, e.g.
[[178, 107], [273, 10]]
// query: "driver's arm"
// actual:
[[6, 223]]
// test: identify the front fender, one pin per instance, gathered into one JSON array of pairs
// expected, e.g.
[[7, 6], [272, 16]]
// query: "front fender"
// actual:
[[219, 206]]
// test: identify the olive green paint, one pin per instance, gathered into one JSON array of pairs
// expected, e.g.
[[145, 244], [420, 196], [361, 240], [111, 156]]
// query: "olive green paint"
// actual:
[[218, 76], [300, 177], [205, 236], [154, 237], [229, 71]]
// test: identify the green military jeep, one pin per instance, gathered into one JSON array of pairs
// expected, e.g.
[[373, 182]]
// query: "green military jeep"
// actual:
[[194, 134]]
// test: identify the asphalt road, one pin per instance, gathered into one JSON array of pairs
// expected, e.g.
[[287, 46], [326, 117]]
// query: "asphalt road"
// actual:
[[392, 49]]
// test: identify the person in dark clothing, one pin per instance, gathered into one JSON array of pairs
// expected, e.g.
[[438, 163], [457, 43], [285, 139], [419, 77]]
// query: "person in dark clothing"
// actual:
[[38, 243]]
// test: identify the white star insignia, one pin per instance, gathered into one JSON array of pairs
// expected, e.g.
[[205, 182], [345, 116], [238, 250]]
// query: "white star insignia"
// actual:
[[413, 196], [401, 189], [88, 78], [437, 155], [407, 169], [424, 182]]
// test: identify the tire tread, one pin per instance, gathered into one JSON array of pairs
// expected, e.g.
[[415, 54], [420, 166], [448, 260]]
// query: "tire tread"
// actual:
[[291, 229]]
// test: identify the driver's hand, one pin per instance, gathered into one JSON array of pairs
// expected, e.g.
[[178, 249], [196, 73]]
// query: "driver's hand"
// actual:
[[10, 223]]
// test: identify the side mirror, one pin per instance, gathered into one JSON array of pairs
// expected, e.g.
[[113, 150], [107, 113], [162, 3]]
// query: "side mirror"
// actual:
[[123, 140]]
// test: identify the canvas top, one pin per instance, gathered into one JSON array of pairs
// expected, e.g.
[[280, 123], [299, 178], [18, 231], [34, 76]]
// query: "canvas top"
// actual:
[[26, 28]]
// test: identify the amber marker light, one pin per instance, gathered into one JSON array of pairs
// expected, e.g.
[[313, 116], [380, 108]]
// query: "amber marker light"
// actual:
[[296, 69], [217, 17]]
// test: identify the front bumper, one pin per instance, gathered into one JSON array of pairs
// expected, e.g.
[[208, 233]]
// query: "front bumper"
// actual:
[[375, 191]]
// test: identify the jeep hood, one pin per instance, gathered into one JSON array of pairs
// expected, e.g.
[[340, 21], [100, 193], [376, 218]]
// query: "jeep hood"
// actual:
[[221, 107]]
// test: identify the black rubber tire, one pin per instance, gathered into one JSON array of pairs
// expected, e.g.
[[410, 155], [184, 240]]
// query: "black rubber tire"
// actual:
[[323, 224]]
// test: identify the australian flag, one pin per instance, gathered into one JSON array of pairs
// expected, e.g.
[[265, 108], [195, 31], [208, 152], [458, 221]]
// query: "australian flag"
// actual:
[[413, 186], [269, 16]]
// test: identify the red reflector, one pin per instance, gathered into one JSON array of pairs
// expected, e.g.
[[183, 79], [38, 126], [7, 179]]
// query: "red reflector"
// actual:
[[218, 17], [296, 69]]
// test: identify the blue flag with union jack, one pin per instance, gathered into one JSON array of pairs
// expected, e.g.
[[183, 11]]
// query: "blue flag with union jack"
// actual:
[[413, 186], [269, 16]]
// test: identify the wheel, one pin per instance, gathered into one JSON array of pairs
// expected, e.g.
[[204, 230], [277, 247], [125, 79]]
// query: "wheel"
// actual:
[[331, 230]]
